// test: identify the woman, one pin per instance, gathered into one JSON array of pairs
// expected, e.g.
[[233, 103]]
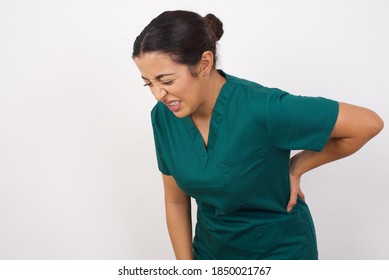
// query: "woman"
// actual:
[[226, 142]]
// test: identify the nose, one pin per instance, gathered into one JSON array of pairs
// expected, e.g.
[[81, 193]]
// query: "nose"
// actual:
[[159, 93]]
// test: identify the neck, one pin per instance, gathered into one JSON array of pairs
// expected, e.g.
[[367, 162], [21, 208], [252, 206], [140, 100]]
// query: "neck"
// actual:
[[212, 86]]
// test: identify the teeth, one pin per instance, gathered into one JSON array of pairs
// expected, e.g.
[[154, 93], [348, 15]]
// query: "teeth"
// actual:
[[174, 103]]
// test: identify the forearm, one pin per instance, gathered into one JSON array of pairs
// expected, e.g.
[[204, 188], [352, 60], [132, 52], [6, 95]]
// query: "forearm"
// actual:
[[178, 217], [335, 149]]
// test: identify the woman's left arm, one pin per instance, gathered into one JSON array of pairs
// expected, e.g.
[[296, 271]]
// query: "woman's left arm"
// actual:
[[354, 127]]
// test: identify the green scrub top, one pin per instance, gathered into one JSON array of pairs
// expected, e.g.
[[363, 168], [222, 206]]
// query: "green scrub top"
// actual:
[[240, 180]]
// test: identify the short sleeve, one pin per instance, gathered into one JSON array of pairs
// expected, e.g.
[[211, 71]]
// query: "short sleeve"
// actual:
[[159, 153], [299, 122]]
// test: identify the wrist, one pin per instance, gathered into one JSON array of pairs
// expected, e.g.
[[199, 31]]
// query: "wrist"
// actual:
[[293, 166]]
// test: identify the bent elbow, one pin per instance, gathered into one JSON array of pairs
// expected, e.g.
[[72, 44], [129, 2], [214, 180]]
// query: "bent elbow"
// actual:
[[376, 125]]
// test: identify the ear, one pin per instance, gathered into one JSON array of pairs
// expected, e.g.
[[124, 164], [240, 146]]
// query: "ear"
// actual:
[[206, 63]]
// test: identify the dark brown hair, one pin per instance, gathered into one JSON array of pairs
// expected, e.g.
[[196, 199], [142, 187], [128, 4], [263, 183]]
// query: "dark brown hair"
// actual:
[[184, 35]]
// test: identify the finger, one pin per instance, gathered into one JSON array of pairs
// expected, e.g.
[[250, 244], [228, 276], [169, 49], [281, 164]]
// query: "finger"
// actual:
[[291, 204], [292, 200]]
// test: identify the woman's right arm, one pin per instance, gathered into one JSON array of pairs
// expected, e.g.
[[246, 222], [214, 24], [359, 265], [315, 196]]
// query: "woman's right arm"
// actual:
[[178, 218]]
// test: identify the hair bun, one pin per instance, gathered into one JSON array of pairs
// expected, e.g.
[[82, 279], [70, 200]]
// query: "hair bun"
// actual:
[[215, 25]]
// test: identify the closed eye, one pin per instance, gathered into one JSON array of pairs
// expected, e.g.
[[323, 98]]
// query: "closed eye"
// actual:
[[167, 82], [147, 84]]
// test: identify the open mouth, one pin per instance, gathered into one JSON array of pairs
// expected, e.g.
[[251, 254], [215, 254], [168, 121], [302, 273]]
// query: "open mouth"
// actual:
[[174, 105]]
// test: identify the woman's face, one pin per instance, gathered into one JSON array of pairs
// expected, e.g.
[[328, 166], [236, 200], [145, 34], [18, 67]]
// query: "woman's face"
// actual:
[[171, 83]]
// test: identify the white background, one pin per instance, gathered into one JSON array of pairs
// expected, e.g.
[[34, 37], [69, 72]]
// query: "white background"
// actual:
[[78, 174]]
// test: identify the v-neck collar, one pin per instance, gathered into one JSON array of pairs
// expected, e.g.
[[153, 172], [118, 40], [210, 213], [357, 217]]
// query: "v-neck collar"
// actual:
[[219, 109]]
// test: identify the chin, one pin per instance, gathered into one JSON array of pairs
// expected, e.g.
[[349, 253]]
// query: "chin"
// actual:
[[180, 114]]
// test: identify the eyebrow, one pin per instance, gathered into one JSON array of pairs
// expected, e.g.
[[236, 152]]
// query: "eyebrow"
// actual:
[[158, 77]]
